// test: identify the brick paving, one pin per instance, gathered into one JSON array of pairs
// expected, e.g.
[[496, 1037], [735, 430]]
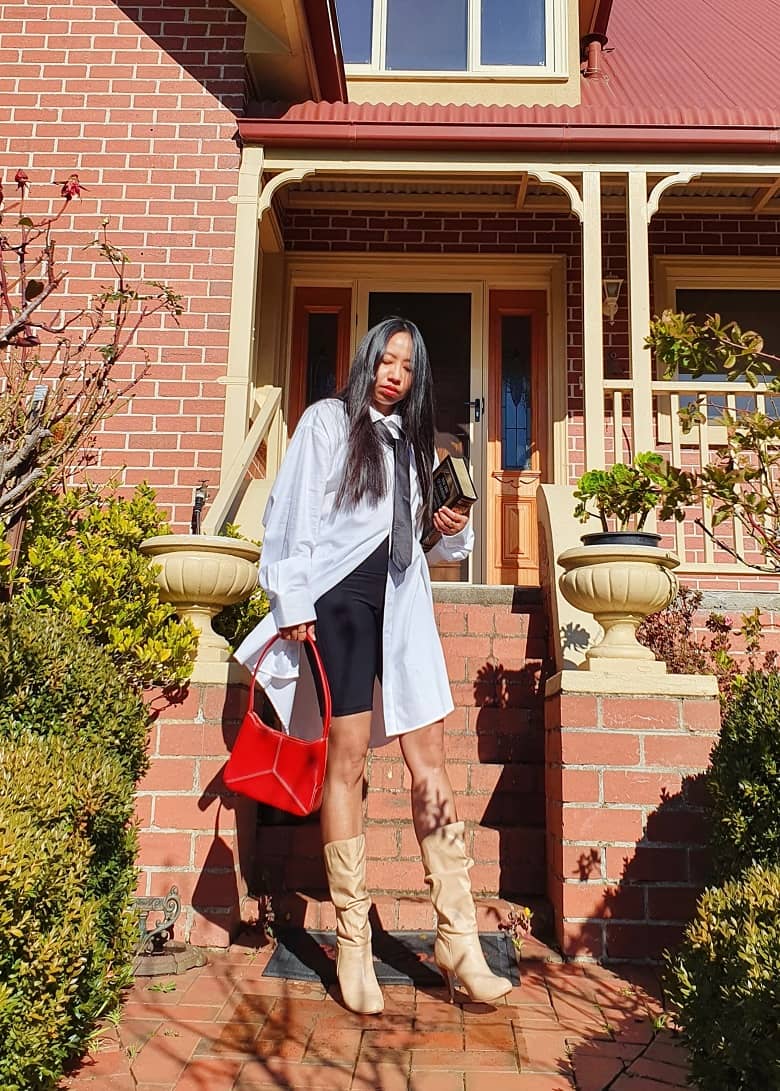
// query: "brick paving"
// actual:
[[224, 1027]]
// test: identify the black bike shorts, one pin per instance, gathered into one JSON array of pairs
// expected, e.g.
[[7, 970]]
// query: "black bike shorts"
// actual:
[[349, 633]]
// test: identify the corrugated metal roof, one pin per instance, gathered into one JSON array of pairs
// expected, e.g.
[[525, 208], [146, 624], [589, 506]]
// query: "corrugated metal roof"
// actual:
[[684, 63]]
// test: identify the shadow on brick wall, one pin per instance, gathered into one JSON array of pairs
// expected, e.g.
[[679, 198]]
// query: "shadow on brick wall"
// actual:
[[206, 42], [510, 735], [638, 900], [224, 863]]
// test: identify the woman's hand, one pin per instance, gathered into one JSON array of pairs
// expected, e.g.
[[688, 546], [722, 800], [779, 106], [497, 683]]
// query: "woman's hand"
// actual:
[[449, 522], [298, 632]]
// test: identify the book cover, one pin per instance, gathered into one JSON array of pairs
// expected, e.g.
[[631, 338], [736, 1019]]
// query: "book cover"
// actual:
[[452, 488]]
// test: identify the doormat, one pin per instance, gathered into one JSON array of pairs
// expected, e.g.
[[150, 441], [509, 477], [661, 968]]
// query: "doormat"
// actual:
[[400, 958]]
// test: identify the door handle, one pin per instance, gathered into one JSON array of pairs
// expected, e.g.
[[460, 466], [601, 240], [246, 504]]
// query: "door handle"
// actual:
[[478, 405]]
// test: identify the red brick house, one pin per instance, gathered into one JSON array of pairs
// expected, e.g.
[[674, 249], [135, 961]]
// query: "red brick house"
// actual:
[[529, 182]]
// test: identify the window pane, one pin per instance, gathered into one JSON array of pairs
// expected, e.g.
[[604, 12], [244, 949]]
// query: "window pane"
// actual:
[[356, 18], [513, 32], [426, 35], [516, 435], [321, 356], [755, 309]]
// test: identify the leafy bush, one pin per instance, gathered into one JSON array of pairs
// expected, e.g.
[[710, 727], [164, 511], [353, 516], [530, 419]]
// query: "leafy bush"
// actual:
[[66, 877], [724, 984], [670, 634], [81, 558], [745, 777], [55, 681]]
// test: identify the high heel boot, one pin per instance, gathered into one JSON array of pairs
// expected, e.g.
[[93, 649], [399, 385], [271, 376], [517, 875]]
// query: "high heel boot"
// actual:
[[345, 867], [457, 950]]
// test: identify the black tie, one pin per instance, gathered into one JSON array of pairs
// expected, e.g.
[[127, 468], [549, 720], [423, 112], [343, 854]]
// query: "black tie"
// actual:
[[401, 540]]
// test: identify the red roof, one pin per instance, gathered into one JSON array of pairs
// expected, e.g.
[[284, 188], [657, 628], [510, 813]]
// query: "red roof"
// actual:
[[707, 65]]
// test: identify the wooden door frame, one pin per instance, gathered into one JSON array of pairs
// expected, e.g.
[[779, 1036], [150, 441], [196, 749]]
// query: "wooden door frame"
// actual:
[[306, 300]]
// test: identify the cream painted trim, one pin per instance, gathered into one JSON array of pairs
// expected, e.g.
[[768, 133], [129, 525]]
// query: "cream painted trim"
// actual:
[[267, 401], [412, 163], [241, 336], [639, 310], [661, 187], [557, 180], [592, 322], [671, 272]]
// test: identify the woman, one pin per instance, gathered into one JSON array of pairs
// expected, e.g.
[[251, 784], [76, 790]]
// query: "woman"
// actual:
[[342, 563]]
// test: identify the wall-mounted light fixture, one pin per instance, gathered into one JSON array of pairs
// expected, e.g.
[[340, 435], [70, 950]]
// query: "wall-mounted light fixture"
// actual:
[[611, 287]]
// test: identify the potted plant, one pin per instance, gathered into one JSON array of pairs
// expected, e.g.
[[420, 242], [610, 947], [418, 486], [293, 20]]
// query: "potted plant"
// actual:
[[620, 574], [624, 494]]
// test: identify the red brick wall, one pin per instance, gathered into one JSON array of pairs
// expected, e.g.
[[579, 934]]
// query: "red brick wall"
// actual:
[[626, 823], [139, 100]]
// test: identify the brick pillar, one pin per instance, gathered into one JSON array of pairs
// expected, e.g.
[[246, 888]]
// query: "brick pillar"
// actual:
[[193, 833], [625, 821]]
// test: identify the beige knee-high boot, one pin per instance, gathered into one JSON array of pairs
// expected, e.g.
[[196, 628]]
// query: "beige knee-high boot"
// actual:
[[457, 950], [345, 866]]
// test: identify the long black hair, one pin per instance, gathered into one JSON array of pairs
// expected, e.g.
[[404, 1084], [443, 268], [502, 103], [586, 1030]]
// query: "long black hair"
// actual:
[[364, 470]]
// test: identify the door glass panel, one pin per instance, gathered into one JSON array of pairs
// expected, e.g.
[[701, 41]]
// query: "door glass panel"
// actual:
[[444, 320], [321, 356], [356, 19], [426, 35], [513, 33], [516, 408]]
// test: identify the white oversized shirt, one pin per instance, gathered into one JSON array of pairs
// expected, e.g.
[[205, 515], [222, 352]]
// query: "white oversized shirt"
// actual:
[[310, 545]]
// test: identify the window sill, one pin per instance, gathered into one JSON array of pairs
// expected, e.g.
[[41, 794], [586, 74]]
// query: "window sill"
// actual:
[[533, 75]]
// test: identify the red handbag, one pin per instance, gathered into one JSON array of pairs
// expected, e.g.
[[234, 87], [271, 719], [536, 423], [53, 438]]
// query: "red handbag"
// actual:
[[273, 767]]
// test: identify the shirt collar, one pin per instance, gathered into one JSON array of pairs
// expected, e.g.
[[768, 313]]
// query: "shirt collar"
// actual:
[[392, 419]]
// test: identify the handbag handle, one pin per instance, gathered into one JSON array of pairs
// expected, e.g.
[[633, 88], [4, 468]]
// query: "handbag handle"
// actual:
[[323, 678]]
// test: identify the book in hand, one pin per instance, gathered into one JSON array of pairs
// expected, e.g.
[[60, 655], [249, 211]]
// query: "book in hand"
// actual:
[[452, 488]]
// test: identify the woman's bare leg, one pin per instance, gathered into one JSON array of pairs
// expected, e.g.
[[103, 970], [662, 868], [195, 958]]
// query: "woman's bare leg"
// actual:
[[341, 814], [433, 803]]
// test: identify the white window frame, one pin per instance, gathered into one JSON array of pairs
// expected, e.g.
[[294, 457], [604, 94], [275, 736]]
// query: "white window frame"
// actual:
[[556, 43]]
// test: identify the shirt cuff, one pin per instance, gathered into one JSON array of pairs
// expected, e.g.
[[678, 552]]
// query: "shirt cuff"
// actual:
[[296, 609]]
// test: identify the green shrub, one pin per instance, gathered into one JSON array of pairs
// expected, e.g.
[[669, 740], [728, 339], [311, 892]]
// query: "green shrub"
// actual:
[[745, 777], [66, 879], [724, 985], [81, 557], [55, 681]]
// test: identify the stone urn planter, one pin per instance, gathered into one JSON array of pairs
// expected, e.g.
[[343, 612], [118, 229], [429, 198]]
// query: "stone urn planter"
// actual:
[[200, 574], [620, 585]]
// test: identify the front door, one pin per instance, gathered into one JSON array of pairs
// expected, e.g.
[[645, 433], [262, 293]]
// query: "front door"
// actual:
[[489, 360], [444, 320], [515, 433]]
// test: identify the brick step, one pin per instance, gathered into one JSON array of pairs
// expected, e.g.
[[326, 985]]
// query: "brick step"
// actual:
[[312, 908]]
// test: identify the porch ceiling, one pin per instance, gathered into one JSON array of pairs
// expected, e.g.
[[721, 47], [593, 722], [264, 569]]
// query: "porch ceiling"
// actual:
[[742, 194]]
